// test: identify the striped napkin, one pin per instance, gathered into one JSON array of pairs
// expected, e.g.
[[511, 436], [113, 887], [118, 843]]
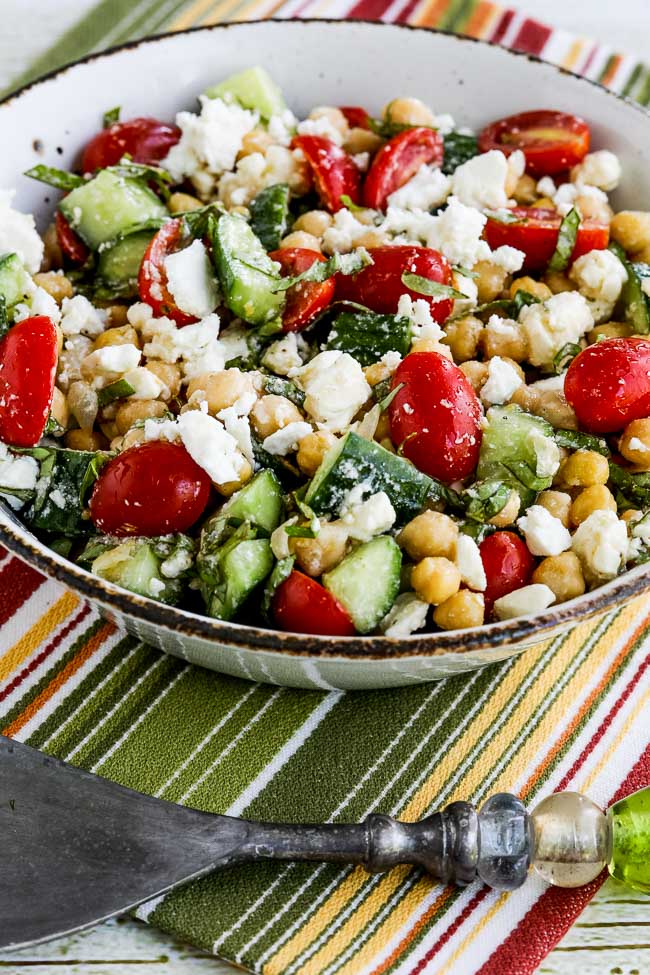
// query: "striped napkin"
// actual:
[[568, 714]]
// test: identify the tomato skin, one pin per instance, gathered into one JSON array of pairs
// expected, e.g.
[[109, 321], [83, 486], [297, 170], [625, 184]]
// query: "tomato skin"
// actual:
[[508, 566], [150, 489], [608, 384], [379, 286], [545, 155], [28, 359], [70, 243], [537, 238], [302, 605], [146, 140], [355, 116], [335, 172], [306, 299], [436, 417], [152, 280], [397, 161]]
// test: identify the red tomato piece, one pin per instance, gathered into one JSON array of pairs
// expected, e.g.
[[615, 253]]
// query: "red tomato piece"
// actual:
[[146, 140], [152, 279], [70, 243], [608, 384], [302, 605], [306, 299], [28, 358], [335, 172], [398, 160], [379, 286], [552, 142], [356, 117], [150, 489], [537, 235], [508, 566], [436, 418]]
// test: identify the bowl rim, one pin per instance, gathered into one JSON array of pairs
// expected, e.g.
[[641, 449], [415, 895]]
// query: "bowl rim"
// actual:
[[17, 539]]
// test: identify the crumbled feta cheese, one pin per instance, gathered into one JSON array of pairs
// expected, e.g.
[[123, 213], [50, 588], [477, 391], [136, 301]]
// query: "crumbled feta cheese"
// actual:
[[75, 350], [391, 360], [408, 614], [601, 169], [282, 356], [197, 346], [18, 234], [176, 564], [445, 124], [469, 288], [470, 564], [550, 325], [638, 445], [600, 275], [508, 258], [457, 232], [39, 302], [234, 342], [191, 280], [79, 317], [287, 439], [321, 126], [206, 440], [547, 453], [336, 388], [361, 160], [344, 232], [145, 383], [112, 361], [503, 379], [641, 528], [156, 586], [546, 187], [280, 540], [282, 127], [363, 520], [209, 142], [256, 171], [567, 196], [545, 534], [481, 181], [427, 189], [600, 543], [418, 312], [524, 601], [18, 472], [56, 497]]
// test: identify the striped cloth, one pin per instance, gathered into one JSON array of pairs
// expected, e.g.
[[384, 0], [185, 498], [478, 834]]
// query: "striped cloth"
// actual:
[[569, 713]]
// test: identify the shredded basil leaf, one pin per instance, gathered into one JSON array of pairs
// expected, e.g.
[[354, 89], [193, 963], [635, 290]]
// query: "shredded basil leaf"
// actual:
[[458, 149], [633, 299], [282, 387], [92, 473], [117, 390], [111, 117], [633, 490], [566, 241], [485, 500], [465, 271], [575, 440], [350, 204], [385, 402], [441, 492], [149, 174], [5, 324], [59, 178], [510, 306], [566, 355], [425, 286], [52, 428], [300, 531], [503, 216], [323, 270], [196, 221]]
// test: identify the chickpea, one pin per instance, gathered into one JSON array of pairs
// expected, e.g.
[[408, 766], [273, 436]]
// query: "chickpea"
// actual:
[[52, 253], [476, 373], [557, 503], [509, 512], [83, 404], [631, 229], [320, 554], [124, 335], [117, 444], [591, 208], [85, 440], [314, 222], [272, 413], [59, 408], [634, 443], [429, 534], [461, 611], [435, 579], [371, 238], [220, 389], [378, 372], [117, 315], [558, 282], [183, 202], [544, 203], [109, 429], [133, 410], [312, 449], [362, 140], [490, 280], [55, 283], [643, 256], [508, 342], [230, 487], [132, 437], [430, 345], [59, 339], [525, 192], [169, 375], [536, 288], [298, 238], [594, 498], [562, 574], [584, 468], [463, 337], [334, 116], [631, 515], [609, 330], [407, 111], [550, 404], [257, 140]]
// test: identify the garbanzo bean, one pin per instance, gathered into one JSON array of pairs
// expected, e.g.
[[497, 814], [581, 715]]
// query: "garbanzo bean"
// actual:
[[298, 238], [220, 389], [183, 202], [314, 222], [312, 449], [272, 413], [462, 337], [362, 140], [631, 229], [169, 375], [85, 440], [476, 373], [435, 579], [230, 487], [635, 443], [55, 283], [558, 503], [536, 288], [509, 512], [407, 111], [562, 574], [525, 192], [490, 280], [142, 409], [59, 408], [461, 611], [320, 554], [428, 534], [594, 498], [124, 335], [584, 468]]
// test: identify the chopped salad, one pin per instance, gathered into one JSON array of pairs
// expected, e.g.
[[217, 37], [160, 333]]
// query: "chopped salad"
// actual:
[[344, 375]]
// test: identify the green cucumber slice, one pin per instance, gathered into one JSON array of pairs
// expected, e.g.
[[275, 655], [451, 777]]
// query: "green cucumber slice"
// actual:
[[367, 581], [119, 264], [107, 206], [253, 89], [246, 272], [243, 566], [269, 212], [14, 280], [508, 451]]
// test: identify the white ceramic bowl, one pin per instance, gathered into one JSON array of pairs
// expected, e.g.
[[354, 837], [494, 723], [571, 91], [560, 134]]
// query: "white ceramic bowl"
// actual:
[[315, 62]]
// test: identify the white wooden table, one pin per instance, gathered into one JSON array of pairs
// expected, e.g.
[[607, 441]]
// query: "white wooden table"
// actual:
[[612, 937]]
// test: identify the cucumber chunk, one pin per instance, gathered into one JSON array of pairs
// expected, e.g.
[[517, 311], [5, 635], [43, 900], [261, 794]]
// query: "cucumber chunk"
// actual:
[[109, 205], [512, 450], [354, 460], [14, 280], [119, 265], [259, 503], [246, 272], [269, 212], [368, 336], [243, 565], [254, 89], [367, 582], [136, 564]]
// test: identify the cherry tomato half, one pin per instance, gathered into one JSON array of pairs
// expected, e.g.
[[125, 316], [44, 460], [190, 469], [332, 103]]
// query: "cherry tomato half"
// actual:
[[608, 384], [146, 140], [551, 141], [152, 279], [397, 161], [150, 489], [537, 235], [356, 117], [508, 566], [302, 605], [28, 358], [435, 418], [70, 243], [307, 298], [335, 172], [379, 286]]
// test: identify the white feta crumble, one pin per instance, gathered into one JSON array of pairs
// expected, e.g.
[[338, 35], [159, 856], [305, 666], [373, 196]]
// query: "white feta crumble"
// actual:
[[470, 564], [391, 360], [39, 302], [601, 169], [344, 232], [233, 342], [197, 346], [18, 472], [282, 127], [145, 383], [427, 189], [408, 614], [546, 187], [18, 234], [363, 520], [481, 181], [156, 586], [561, 319], [641, 529], [206, 440], [599, 275], [524, 601], [287, 439], [600, 543], [567, 196], [111, 362], [547, 454], [469, 288], [321, 126], [176, 564], [80, 317], [638, 445], [545, 534], [457, 232], [258, 170], [418, 312], [282, 356], [191, 280], [57, 497], [503, 379], [508, 258], [75, 350], [335, 388], [361, 160]]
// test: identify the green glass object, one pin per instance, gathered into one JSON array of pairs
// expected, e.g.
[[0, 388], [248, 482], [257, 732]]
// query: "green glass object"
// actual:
[[630, 860]]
